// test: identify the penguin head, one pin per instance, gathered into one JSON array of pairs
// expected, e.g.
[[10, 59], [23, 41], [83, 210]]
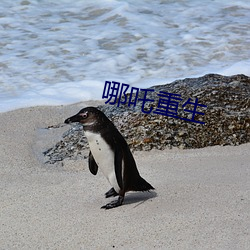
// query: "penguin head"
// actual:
[[88, 117]]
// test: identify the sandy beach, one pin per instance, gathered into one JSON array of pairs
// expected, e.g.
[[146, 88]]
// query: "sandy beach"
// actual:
[[201, 198]]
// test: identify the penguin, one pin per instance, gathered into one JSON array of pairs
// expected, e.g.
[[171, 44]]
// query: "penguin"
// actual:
[[110, 152]]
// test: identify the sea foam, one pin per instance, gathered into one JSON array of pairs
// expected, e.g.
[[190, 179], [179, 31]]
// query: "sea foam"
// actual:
[[62, 52]]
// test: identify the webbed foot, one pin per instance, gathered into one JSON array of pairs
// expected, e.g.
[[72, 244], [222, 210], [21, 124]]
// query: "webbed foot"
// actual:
[[111, 193], [113, 204]]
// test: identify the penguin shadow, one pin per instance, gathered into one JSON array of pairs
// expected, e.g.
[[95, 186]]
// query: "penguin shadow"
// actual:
[[137, 198]]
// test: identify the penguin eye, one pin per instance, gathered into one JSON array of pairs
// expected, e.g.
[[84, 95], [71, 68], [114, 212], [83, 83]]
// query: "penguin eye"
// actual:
[[84, 115]]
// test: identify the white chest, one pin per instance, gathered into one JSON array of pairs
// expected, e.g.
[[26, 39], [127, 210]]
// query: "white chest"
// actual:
[[104, 157]]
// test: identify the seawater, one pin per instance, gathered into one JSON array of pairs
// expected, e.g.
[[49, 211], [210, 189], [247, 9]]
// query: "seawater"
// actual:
[[61, 52]]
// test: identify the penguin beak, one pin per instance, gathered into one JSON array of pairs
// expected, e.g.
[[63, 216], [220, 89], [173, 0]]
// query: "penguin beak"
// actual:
[[74, 118]]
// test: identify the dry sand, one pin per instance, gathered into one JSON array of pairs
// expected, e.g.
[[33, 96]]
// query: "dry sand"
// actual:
[[201, 201]]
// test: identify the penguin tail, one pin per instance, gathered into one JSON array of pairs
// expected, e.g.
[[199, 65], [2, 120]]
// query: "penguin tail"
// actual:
[[141, 185]]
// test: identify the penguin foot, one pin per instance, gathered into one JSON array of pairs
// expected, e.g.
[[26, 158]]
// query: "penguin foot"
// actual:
[[113, 204], [111, 193]]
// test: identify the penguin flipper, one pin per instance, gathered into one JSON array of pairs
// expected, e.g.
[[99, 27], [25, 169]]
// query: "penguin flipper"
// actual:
[[118, 166], [93, 167]]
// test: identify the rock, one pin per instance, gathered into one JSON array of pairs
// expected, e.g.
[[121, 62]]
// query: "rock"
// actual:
[[227, 119]]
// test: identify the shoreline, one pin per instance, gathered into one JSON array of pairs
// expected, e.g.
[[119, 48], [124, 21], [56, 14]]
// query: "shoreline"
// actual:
[[201, 198]]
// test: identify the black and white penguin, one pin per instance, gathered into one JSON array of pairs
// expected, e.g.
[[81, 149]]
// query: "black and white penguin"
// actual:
[[110, 152]]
